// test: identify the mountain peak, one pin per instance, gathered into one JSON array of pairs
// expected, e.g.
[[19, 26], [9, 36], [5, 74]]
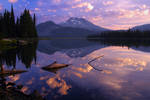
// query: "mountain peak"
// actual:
[[76, 21], [49, 22], [81, 23], [75, 18]]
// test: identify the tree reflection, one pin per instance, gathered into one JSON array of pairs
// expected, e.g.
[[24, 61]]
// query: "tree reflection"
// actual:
[[25, 53], [122, 42]]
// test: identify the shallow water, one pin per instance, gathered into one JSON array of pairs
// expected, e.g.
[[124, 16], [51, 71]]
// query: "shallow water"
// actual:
[[123, 73]]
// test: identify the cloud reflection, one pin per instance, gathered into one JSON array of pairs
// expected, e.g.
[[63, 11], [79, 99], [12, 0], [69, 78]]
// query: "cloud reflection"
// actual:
[[57, 82], [124, 71]]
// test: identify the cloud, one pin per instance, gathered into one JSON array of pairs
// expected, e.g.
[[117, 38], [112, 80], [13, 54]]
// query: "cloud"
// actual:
[[50, 10], [106, 3], [88, 6], [37, 9], [39, 3], [13, 1], [113, 14], [146, 12], [77, 0], [1, 7], [56, 1]]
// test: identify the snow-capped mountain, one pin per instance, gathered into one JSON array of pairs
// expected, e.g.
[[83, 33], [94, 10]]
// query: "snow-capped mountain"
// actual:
[[142, 27], [81, 23], [51, 29]]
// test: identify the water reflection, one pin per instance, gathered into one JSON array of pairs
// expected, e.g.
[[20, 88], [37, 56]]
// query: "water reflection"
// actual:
[[124, 76], [71, 47], [137, 44], [11, 91], [24, 53], [119, 79]]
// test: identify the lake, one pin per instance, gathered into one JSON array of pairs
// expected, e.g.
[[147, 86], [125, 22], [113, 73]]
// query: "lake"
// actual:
[[121, 73]]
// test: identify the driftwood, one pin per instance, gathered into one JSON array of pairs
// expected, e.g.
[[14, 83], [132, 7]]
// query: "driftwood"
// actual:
[[54, 67], [94, 60]]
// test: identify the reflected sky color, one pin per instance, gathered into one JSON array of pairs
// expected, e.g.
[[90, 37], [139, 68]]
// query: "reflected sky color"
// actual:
[[113, 14], [125, 75]]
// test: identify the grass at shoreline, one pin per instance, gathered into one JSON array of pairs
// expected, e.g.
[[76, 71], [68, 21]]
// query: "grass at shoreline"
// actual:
[[9, 43]]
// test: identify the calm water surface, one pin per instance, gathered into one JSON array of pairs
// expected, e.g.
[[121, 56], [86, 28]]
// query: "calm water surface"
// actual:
[[123, 73]]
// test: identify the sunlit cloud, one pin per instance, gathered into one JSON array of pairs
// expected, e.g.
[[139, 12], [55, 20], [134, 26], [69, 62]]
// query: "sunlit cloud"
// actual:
[[112, 14], [13, 1], [88, 6], [1, 7], [51, 10], [106, 3], [37, 9]]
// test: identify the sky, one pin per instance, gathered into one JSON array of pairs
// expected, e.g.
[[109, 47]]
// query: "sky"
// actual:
[[112, 14]]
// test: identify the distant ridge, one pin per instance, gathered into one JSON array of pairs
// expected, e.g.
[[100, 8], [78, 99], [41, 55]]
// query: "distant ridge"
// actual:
[[144, 27]]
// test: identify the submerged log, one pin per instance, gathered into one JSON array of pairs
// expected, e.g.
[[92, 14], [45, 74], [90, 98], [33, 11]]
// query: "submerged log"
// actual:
[[54, 67], [11, 72]]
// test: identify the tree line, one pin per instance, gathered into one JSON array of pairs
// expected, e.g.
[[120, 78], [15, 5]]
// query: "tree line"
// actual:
[[17, 27], [122, 34], [122, 38]]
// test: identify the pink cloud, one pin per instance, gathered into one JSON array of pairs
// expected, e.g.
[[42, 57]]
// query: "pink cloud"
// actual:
[[13, 1], [88, 6], [56, 1], [36, 9], [1, 6], [113, 14], [106, 3]]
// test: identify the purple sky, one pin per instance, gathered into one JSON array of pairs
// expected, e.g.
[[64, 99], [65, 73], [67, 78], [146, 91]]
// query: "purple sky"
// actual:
[[113, 14]]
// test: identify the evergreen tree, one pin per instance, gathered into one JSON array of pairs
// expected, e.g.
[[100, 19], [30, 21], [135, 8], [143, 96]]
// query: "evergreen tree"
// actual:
[[24, 27], [34, 19], [1, 25], [18, 27], [6, 24], [12, 22], [27, 25], [34, 26]]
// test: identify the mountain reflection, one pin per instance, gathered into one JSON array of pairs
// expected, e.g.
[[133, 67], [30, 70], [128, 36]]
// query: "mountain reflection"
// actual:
[[25, 53]]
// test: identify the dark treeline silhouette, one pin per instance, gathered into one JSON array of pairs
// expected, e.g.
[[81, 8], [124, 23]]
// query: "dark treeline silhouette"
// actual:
[[122, 38], [122, 34], [20, 27], [24, 53]]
